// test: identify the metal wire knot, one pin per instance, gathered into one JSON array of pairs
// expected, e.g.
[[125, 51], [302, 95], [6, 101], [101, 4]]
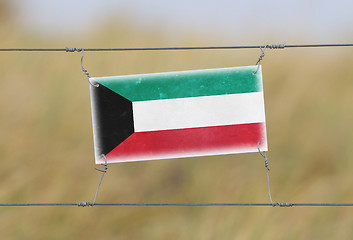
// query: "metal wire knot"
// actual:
[[105, 164], [276, 46], [284, 204], [263, 154], [68, 49], [84, 204]]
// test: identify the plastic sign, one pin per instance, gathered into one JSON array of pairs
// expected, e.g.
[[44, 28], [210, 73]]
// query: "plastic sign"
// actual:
[[178, 114]]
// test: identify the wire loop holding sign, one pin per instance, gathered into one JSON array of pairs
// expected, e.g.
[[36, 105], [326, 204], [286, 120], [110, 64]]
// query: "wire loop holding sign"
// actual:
[[273, 46], [105, 164], [260, 59], [94, 84], [263, 154]]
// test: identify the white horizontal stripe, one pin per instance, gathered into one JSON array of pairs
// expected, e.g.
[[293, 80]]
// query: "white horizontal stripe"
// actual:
[[199, 112]]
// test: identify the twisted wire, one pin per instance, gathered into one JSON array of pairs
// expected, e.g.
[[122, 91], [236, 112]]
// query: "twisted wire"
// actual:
[[103, 172], [263, 154]]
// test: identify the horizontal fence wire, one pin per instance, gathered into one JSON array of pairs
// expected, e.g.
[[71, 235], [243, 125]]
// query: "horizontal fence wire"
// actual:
[[88, 204], [271, 46]]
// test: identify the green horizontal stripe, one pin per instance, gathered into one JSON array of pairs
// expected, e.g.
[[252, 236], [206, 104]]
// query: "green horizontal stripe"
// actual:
[[184, 84]]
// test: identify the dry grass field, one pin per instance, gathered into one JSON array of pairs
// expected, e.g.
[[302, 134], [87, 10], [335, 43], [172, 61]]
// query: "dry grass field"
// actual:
[[46, 145]]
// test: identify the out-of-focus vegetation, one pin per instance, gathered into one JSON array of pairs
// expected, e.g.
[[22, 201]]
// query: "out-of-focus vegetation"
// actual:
[[46, 145]]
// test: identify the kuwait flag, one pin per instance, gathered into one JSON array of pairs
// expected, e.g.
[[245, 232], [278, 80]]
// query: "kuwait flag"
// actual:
[[178, 114]]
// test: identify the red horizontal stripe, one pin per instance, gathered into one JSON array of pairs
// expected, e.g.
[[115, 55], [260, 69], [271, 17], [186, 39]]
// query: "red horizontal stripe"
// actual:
[[190, 142]]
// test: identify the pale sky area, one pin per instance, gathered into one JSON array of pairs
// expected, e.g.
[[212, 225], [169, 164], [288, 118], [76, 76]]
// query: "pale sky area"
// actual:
[[282, 21]]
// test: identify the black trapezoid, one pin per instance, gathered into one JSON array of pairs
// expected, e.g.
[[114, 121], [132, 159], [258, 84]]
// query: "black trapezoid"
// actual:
[[112, 119]]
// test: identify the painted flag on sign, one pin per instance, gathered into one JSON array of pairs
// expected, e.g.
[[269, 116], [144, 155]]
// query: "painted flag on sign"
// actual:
[[178, 114]]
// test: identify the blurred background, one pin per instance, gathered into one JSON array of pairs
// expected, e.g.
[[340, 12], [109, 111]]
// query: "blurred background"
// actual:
[[46, 141]]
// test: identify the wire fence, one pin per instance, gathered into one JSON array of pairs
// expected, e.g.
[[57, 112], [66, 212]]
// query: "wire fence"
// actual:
[[89, 204], [262, 47], [268, 46]]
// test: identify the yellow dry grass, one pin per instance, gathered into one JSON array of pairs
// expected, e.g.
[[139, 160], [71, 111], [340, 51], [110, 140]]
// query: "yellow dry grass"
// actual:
[[47, 149]]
